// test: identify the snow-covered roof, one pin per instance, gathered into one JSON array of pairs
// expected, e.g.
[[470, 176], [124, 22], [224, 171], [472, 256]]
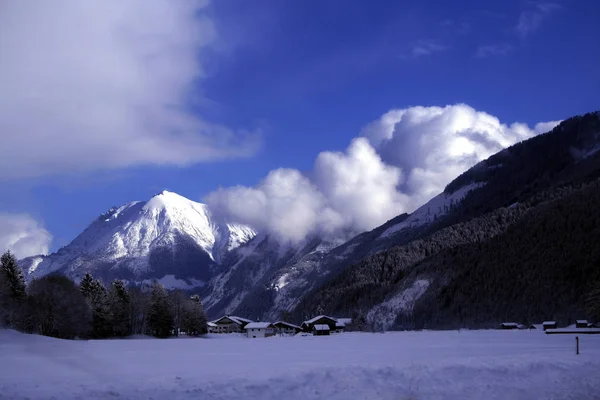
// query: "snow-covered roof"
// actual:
[[549, 323], [509, 324], [237, 320], [345, 321], [240, 319], [582, 321], [211, 324], [286, 324], [258, 325], [318, 317], [321, 327]]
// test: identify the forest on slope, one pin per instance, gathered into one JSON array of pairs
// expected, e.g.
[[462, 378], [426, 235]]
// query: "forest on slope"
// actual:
[[528, 180]]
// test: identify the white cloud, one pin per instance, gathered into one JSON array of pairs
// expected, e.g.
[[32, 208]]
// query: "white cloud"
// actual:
[[533, 15], [426, 47], [285, 203], [490, 50], [86, 85], [23, 235], [400, 161]]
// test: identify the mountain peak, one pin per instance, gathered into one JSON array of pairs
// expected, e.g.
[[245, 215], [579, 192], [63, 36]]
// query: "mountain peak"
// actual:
[[167, 235]]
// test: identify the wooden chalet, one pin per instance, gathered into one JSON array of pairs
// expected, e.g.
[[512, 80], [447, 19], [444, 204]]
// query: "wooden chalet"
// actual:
[[581, 323], [508, 325], [321, 330], [285, 328], [307, 326], [549, 325], [341, 324], [228, 324]]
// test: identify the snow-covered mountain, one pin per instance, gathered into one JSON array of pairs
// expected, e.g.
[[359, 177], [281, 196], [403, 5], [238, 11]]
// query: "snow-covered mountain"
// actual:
[[167, 235], [267, 277]]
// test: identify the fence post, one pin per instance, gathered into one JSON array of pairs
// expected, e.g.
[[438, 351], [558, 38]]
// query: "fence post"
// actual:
[[577, 344]]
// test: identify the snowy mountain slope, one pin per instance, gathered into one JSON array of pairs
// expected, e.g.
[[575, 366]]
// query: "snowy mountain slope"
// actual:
[[496, 197], [167, 235], [437, 207], [280, 284]]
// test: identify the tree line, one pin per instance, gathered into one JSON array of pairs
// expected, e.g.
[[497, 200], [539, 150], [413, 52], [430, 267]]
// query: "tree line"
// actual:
[[56, 306]]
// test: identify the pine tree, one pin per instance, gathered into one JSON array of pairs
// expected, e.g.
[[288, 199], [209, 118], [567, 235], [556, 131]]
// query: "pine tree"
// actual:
[[97, 296], [160, 317], [12, 290], [13, 276], [86, 285], [120, 306], [193, 318]]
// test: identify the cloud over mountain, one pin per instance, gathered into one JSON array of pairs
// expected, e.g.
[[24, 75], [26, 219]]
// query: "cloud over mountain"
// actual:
[[96, 85], [23, 235], [400, 161]]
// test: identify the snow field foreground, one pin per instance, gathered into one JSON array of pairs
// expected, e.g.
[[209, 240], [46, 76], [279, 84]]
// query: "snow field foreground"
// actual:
[[401, 365]]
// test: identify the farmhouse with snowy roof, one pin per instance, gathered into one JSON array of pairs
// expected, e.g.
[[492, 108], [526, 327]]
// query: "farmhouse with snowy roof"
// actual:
[[228, 324], [549, 325], [285, 328], [308, 326], [321, 330], [581, 323], [341, 324], [508, 325], [259, 329]]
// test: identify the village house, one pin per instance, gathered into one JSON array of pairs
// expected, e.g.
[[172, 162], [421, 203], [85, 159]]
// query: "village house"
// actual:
[[512, 325], [307, 326], [285, 328], [212, 327], [259, 330], [228, 324], [321, 330], [549, 325], [581, 323], [341, 324]]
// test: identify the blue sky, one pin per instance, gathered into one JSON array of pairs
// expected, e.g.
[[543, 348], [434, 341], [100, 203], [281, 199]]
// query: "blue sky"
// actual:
[[302, 77]]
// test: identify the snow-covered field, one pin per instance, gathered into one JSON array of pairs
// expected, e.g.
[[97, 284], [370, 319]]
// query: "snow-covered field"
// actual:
[[410, 365]]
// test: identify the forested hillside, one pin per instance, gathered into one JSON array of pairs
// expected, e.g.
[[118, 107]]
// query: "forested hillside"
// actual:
[[523, 247]]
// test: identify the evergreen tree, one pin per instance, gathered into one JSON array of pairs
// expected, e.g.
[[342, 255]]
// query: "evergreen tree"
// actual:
[[86, 285], [120, 306], [97, 296], [193, 318], [160, 317], [12, 290]]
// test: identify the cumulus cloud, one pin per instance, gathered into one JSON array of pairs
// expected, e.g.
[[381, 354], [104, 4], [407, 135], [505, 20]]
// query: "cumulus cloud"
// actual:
[[398, 163], [23, 235], [533, 15], [106, 84]]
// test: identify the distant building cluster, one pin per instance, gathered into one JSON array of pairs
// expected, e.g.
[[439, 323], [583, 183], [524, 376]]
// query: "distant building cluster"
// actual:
[[551, 327], [321, 325]]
